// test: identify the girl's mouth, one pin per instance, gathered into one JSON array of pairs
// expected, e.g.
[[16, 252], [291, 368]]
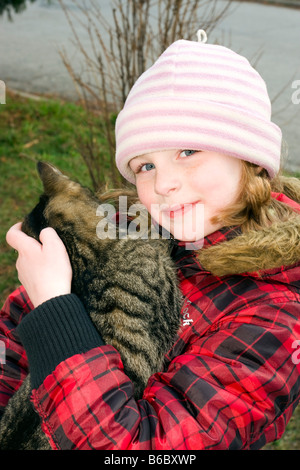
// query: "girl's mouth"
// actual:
[[179, 210]]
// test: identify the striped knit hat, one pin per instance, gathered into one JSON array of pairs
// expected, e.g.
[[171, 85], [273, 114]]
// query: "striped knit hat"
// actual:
[[198, 96]]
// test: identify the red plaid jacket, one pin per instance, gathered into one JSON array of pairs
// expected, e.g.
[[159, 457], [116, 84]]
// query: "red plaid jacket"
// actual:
[[231, 380]]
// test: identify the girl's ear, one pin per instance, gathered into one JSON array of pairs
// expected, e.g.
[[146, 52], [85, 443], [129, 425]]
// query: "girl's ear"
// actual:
[[51, 177]]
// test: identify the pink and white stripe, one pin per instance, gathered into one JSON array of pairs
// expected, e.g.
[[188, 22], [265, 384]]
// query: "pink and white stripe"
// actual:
[[199, 97]]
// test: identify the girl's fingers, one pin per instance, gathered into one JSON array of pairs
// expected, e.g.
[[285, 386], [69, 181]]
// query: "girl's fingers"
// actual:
[[44, 268], [18, 239]]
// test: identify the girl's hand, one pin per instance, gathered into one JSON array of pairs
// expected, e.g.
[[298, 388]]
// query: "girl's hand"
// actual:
[[43, 269]]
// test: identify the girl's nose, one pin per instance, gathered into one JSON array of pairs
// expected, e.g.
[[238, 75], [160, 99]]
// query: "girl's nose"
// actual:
[[166, 182]]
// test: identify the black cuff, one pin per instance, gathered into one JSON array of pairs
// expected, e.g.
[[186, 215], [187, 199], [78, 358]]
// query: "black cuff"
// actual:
[[55, 331]]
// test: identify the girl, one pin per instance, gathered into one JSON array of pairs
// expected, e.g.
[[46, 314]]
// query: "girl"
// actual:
[[195, 132]]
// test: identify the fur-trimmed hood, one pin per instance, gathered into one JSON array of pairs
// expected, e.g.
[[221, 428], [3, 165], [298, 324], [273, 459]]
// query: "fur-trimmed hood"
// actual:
[[257, 251]]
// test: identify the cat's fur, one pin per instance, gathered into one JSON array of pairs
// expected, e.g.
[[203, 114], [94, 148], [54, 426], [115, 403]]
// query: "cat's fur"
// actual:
[[129, 288]]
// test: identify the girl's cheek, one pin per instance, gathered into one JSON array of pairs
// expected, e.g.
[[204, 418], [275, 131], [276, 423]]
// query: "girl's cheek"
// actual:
[[144, 196]]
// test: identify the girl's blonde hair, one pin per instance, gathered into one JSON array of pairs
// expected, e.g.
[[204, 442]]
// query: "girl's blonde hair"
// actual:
[[254, 207]]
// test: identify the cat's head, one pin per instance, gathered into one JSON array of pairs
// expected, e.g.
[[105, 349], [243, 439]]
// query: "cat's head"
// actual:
[[64, 202], [70, 208]]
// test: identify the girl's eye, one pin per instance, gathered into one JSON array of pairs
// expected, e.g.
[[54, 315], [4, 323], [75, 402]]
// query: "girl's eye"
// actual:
[[187, 153], [147, 167]]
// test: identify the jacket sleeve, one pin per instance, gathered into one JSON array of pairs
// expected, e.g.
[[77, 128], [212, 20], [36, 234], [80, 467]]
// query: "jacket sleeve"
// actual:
[[234, 387], [13, 363]]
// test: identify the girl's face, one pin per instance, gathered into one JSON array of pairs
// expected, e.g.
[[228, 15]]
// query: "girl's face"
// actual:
[[184, 189]]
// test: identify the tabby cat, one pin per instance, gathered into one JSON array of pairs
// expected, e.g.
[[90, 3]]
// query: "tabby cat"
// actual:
[[129, 287]]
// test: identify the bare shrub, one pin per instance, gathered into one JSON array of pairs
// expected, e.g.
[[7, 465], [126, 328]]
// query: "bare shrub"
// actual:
[[121, 48]]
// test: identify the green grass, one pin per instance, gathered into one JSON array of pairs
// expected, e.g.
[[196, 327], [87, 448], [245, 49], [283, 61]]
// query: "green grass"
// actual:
[[30, 131], [46, 130]]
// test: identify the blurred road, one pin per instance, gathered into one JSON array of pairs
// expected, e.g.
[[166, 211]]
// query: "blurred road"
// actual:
[[29, 59]]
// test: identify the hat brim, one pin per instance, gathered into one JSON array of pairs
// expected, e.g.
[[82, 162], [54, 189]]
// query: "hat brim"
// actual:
[[168, 123]]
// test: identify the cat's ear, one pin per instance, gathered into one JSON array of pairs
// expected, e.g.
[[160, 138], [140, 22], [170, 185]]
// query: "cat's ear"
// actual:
[[51, 177]]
